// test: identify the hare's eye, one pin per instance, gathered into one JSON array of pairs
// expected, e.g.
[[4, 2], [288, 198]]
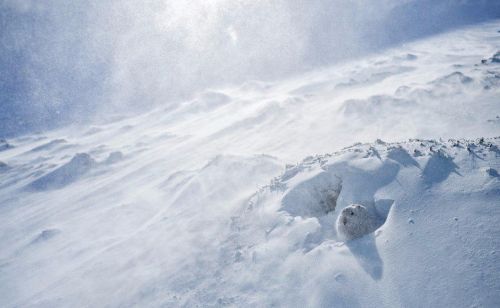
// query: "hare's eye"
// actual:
[[352, 213]]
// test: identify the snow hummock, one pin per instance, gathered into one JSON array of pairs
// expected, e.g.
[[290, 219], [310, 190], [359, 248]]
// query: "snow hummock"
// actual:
[[421, 219], [80, 164], [230, 200]]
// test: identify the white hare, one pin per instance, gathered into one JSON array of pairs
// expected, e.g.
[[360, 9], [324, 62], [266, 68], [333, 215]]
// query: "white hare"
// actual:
[[355, 221]]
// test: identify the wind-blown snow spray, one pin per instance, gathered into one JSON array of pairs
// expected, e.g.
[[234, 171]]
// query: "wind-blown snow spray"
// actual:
[[65, 61]]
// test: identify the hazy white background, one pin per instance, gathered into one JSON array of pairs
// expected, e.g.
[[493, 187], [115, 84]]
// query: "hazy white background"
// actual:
[[72, 61]]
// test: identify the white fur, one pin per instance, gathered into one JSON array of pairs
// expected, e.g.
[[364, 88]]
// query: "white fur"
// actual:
[[355, 221]]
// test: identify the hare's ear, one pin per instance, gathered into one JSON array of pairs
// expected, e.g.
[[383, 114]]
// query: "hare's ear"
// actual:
[[358, 206]]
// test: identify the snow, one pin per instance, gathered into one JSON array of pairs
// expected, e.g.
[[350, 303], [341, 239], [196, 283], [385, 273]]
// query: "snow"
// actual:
[[431, 217], [204, 204], [80, 164]]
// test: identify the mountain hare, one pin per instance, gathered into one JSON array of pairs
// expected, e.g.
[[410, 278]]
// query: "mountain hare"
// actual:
[[355, 221]]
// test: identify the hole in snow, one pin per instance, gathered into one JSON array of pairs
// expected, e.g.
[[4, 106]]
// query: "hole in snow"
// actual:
[[313, 198]]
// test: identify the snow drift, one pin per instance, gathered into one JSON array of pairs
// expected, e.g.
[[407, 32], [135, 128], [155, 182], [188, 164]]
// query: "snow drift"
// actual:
[[204, 203]]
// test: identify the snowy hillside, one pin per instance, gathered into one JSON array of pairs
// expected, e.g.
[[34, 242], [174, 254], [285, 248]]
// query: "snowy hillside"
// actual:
[[205, 204]]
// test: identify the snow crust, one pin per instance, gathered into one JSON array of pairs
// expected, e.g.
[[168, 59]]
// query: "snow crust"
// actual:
[[205, 204]]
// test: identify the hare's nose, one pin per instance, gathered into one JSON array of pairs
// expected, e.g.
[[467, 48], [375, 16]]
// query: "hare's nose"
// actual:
[[344, 220]]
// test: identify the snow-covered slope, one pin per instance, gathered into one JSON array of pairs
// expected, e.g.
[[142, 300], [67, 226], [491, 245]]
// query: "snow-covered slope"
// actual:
[[437, 245], [204, 204]]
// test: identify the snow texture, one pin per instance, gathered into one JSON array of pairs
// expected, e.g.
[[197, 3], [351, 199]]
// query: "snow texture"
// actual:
[[230, 200]]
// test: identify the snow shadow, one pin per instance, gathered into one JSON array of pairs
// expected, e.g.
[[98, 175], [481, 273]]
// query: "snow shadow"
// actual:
[[3, 165], [45, 235], [315, 197], [438, 168], [68, 173], [401, 156], [4, 145], [49, 145], [495, 149], [365, 251], [474, 155], [492, 172]]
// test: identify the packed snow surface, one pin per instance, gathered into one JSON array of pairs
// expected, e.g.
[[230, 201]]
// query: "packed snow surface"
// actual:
[[205, 205]]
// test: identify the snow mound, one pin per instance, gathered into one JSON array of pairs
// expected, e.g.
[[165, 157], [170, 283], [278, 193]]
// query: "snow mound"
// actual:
[[68, 173], [313, 193], [453, 78], [408, 202]]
